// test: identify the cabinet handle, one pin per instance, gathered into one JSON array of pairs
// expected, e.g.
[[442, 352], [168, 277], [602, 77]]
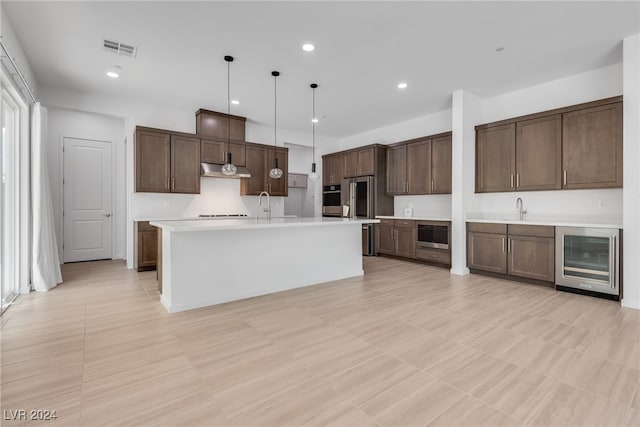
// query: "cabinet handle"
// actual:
[[564, 177], [168, 185], [433, 186], [502, 244], [509, 245], [393, 234], [511, 180], [518, 180], [173, 183]]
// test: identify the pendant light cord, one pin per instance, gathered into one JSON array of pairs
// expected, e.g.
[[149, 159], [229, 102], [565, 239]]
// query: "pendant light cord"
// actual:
[[313, 124], [228, 107], [275, 113]]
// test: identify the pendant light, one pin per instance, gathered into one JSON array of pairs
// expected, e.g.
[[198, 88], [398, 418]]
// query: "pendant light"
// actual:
[[229, 168], [313, 176], [276, 172]]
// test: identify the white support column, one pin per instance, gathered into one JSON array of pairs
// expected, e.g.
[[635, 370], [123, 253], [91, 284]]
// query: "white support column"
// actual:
[[631, 179], [466, 112]]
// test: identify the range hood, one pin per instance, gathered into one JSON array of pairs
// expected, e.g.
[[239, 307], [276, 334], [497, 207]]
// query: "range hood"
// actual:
[[215, 171]]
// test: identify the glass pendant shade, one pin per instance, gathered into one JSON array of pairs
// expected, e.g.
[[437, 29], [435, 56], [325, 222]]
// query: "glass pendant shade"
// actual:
[[229, 168], [276, 172], [313, 176]]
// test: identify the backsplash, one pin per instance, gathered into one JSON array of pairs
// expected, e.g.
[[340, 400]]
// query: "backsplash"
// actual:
[[217, 196]]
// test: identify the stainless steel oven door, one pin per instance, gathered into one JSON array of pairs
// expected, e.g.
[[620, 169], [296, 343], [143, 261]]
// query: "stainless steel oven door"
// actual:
[[588, 259]]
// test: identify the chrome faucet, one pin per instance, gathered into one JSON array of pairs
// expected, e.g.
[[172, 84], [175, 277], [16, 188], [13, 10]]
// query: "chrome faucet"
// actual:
[[520, 208], [268, 208]]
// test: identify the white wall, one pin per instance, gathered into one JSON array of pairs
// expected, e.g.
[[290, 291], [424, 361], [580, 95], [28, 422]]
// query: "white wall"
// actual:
[[62, 124]]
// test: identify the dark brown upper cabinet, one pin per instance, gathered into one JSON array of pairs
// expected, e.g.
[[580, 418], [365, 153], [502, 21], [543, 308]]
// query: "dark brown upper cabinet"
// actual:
[[441, 165], [220, 126], [260, 160], [573, 147], [166, 162], [539, 153], [359, 162], [332, 169], [592, 147], [495, 158], [420, 166], [212, 151], [185, 164]]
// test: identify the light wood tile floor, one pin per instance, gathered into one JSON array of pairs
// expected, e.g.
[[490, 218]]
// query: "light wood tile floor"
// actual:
[[405, 345]]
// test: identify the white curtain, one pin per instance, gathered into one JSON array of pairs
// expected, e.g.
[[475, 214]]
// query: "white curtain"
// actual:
[[45, 269]]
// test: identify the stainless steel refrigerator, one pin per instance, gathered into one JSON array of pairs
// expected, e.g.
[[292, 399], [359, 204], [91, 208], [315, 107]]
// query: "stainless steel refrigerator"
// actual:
[[365, 198]]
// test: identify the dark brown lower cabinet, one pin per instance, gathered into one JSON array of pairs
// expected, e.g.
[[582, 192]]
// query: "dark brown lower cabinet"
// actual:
[[397, 237], [147, 246], [487, 252], [526, 251]]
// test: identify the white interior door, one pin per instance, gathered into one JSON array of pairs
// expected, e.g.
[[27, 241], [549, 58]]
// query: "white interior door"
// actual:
[[87, 200]]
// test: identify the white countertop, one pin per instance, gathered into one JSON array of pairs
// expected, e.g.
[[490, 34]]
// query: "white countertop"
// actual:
[[200, 218], [559, 222], [415, 218], [203, 224]]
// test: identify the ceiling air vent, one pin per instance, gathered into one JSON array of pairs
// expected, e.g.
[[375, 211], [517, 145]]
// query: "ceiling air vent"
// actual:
[[120, 48]]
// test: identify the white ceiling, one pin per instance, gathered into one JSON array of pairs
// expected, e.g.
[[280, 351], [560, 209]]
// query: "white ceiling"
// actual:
[[363, 50]]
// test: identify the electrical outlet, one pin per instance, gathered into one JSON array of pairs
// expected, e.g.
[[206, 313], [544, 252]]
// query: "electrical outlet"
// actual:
[[602, 204]]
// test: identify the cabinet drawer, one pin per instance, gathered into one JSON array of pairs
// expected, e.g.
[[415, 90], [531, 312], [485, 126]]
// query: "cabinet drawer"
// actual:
[[481, 227], [531, 230], [405, 223], [433, 255], [145, 226], [387, 221]]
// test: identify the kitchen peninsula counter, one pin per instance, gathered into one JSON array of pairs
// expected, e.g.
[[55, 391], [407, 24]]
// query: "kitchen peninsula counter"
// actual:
[[208, 262]]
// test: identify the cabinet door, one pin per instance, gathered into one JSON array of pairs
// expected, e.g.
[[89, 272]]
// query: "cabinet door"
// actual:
[[212, 151], [406, 242], [419, 167], [280, 186], [256, 163], [487, 252], [397, 170], [532, 257], [386, 239], [366, 162], [350, 164], [327, 170], [147, 250], [539, 153], [592, 147], [495, 158], [338, 169], [237, 154], [441, 165], [153, 162], [185, 165]]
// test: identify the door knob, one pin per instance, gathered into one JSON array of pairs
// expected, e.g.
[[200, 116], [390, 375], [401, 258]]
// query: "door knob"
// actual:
[[107, 215]]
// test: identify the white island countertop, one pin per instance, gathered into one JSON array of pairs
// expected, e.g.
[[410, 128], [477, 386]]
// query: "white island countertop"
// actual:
[[255, 223]]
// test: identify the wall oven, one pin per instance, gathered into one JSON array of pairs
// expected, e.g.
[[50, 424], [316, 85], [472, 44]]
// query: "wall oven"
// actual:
[[331, 201], [433, 235], [588, 261]]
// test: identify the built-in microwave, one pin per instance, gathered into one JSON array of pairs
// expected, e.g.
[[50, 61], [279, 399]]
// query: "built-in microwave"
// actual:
[[433, 234], [331, 200]]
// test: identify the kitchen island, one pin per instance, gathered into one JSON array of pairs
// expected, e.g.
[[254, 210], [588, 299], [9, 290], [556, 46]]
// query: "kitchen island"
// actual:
[[208, 262]]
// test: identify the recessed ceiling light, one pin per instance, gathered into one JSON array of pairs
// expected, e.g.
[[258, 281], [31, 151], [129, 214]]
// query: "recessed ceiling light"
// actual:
[[499, 49], [308, 47], [113, 74], [314, 120], [402, 85], [235, 102]]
